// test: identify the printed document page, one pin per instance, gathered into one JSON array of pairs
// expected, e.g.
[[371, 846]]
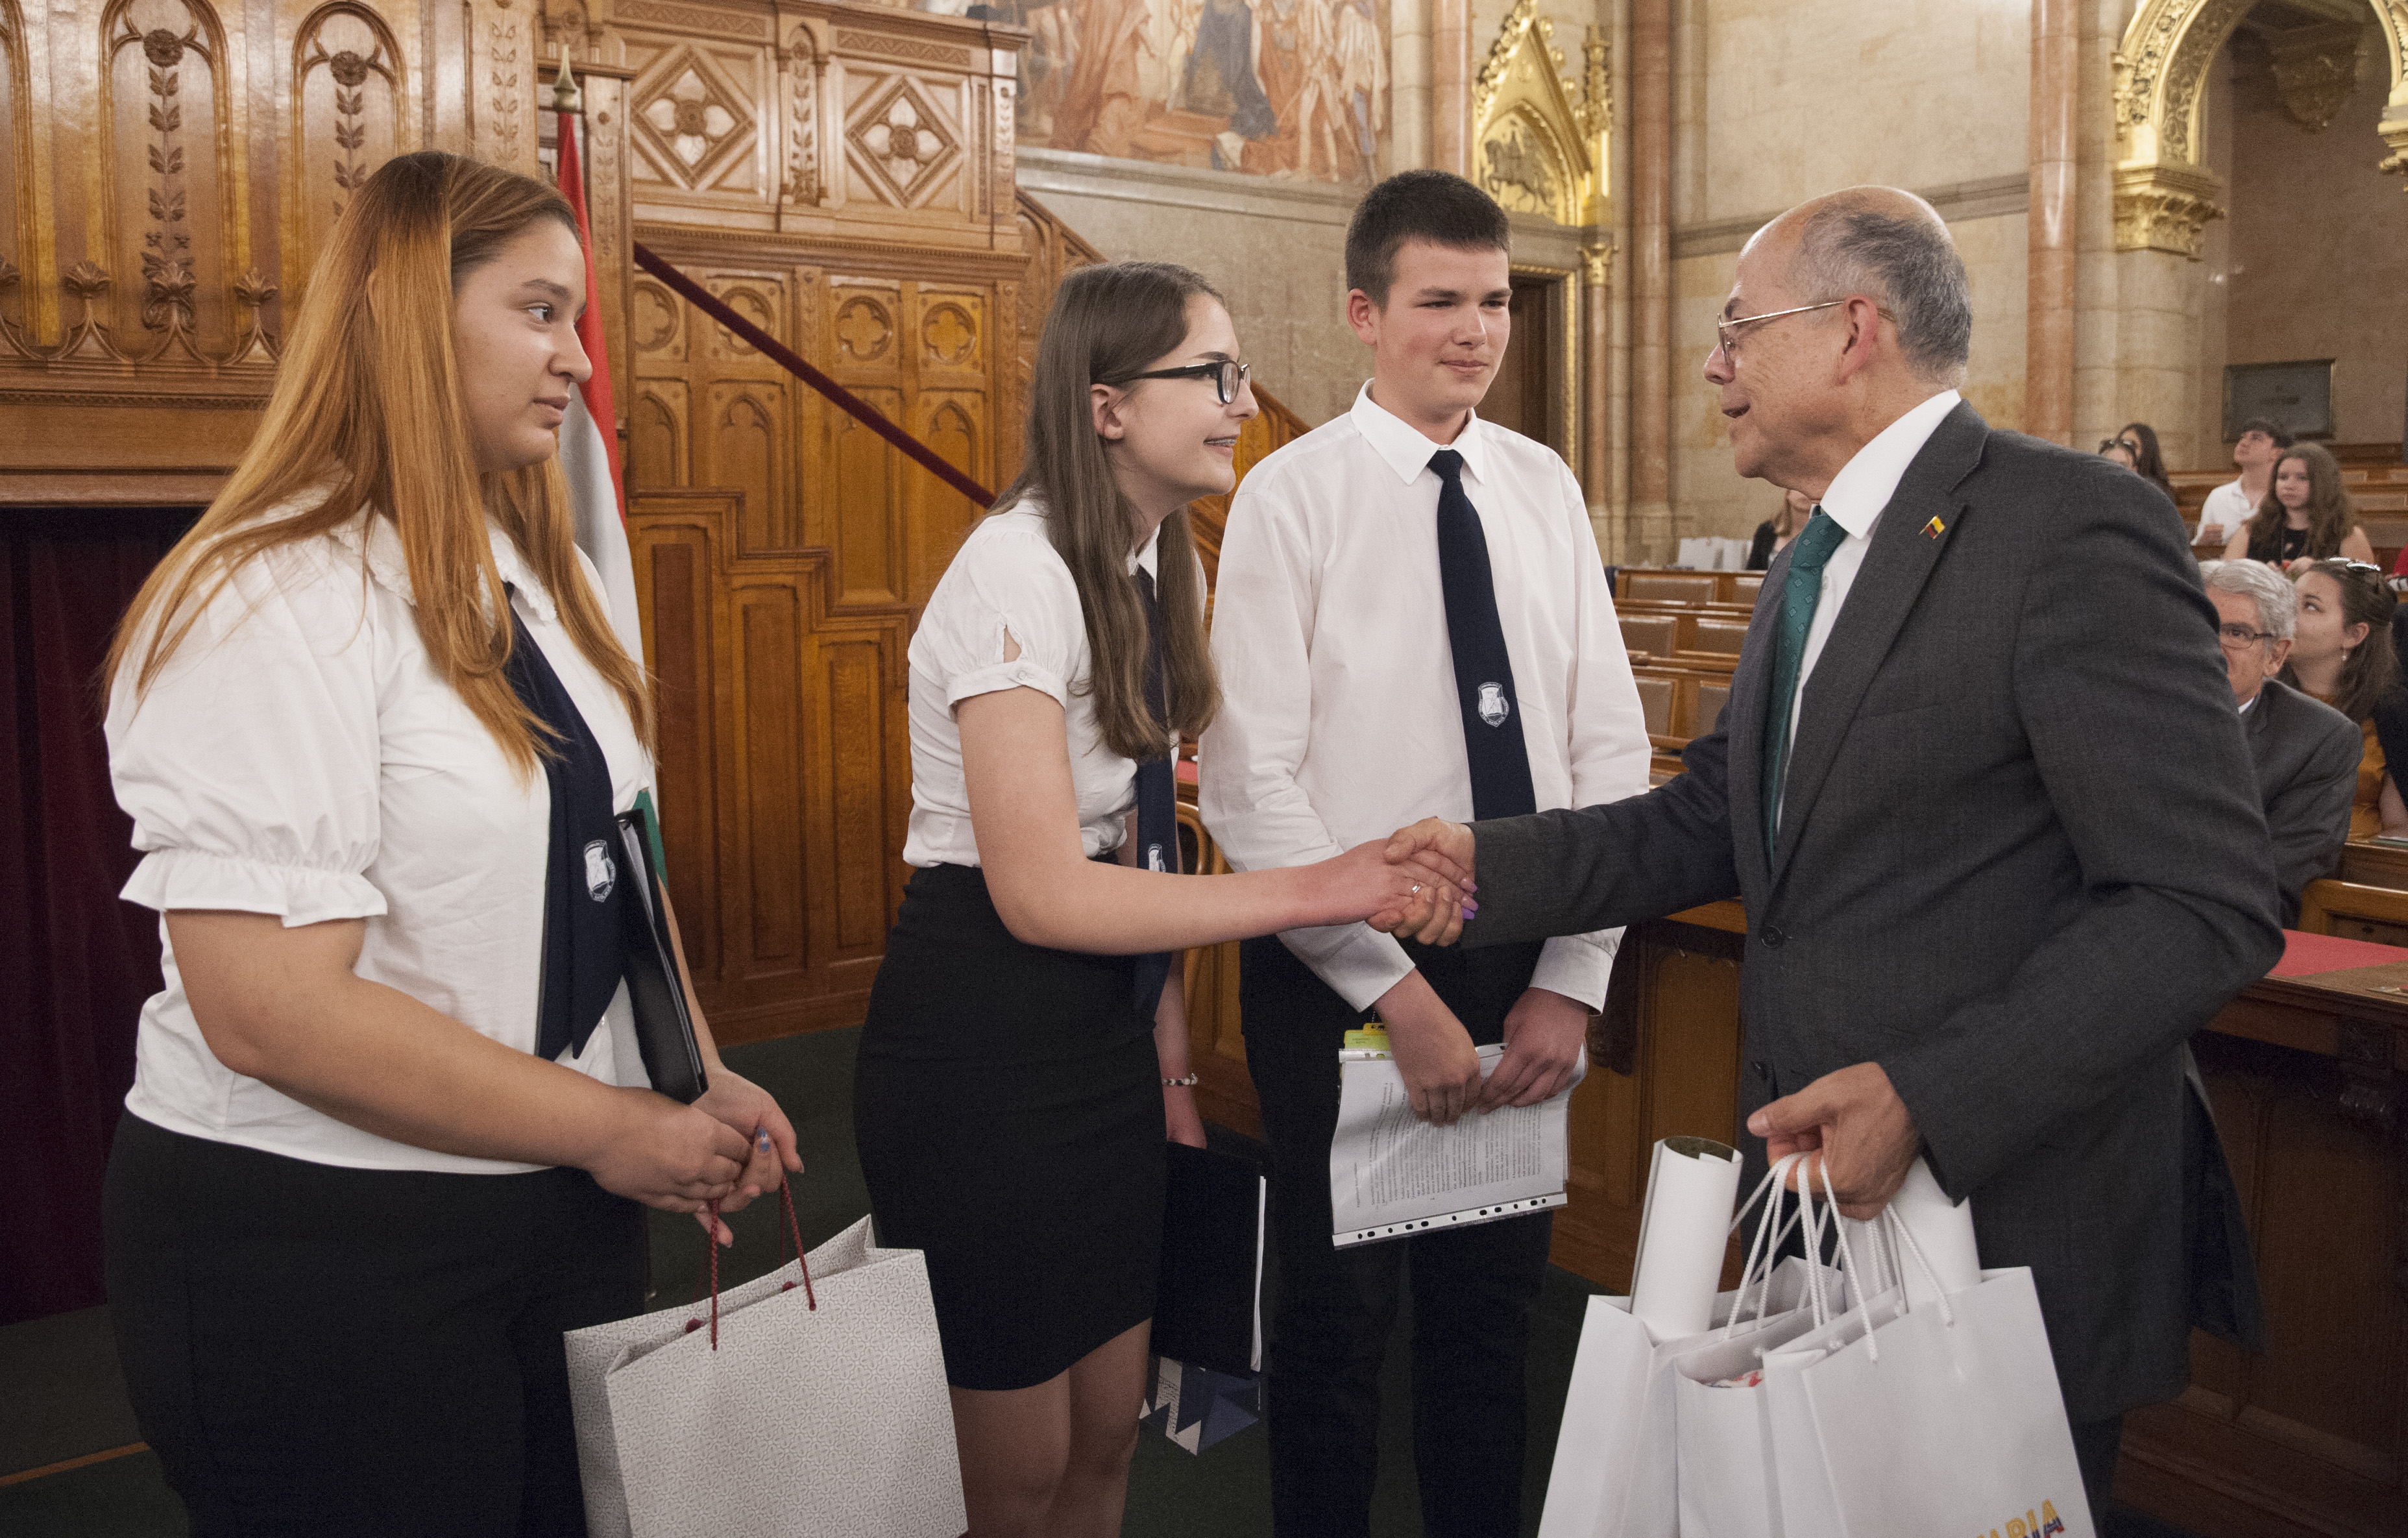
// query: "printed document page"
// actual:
[[1391, 1174]]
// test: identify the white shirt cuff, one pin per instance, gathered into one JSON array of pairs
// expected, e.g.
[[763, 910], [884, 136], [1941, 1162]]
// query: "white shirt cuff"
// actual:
[[1358, 962], [1578, 966]]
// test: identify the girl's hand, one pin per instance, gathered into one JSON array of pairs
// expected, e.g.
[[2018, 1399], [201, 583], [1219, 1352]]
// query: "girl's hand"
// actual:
[[745, 1107], [671, 1156], [1416, 899]]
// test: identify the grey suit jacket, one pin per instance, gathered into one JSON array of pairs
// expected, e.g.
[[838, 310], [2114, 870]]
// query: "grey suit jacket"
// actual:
[[2020, 863], [2307, 754]]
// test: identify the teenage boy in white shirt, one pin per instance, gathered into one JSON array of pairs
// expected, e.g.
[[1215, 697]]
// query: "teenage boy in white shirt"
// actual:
[[2235, 502], [1411, 614]]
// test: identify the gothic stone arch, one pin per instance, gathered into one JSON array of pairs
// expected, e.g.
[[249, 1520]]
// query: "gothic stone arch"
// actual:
[[2164, 197]]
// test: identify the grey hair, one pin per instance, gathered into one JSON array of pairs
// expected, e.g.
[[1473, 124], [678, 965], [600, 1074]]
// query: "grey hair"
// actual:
[[2277, 601], [1908, 264]]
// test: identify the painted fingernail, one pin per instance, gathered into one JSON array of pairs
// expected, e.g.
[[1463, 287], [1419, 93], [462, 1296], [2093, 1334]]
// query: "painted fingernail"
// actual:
[[761, 1139]]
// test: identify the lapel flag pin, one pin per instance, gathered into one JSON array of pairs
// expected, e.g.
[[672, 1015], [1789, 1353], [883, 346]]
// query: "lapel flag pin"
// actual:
[[1934, 529]]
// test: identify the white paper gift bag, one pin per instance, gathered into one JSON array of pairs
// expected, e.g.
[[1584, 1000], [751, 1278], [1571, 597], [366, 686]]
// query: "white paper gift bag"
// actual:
[[1614, 1469], [1943, 1415], [815, 1404]]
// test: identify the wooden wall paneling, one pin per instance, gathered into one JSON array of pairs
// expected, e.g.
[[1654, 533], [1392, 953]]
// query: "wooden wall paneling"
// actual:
[[707, 115], [2312, 1437], [349, 101], [871, 342], [504, 76], [954, 368], [674, 539], [21, 246], [1216, 1044], [606, 96], [171, 219], [1688, 1083]]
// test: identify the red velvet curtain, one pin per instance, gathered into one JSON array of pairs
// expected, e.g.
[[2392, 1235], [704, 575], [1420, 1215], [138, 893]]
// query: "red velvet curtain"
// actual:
[[76, 964]]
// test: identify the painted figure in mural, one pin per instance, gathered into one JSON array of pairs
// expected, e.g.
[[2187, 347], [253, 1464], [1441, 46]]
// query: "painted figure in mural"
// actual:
[[1363, 75], [1321, 123], [1102, 105], [1221, 77], [1169, 44]]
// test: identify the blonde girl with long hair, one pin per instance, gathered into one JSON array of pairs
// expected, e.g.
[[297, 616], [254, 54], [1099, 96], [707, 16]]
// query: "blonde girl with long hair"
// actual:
[[390, 1133], [2306, 516]]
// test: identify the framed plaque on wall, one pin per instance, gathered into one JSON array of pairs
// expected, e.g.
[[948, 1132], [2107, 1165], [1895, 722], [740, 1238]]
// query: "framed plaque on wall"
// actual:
[[2298, 394]]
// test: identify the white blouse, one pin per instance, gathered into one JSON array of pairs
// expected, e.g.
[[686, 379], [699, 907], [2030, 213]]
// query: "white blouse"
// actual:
[[1008, 577], [298, 756]]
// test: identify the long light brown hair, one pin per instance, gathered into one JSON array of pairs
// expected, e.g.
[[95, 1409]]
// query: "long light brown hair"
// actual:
[[1108, 322], [2330, 514], [368, 402]]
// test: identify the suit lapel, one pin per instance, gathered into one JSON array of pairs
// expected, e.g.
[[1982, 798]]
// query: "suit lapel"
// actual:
[[1900, 559]]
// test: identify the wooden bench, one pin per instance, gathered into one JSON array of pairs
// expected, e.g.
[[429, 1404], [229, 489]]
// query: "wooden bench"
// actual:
[[1646, 584]]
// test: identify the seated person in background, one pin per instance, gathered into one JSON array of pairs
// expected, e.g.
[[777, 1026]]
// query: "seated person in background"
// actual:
[[2232, 504], [1778, 530], [2342, 654], [2306, 752], [2136, 448], [2305, 517]]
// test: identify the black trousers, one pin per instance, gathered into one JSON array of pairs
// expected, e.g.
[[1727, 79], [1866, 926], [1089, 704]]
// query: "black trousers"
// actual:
[[1473, 1288], [329, 1352]]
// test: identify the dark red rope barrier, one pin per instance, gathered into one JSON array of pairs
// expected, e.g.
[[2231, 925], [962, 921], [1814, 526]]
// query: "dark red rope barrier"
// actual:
[[867, 415]]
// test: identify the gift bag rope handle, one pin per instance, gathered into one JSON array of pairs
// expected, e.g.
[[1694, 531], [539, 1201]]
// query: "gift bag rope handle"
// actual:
[[1779, 1231], [792, 1234]]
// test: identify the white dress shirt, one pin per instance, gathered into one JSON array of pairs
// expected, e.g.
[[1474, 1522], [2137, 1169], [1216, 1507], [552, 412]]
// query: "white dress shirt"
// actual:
[[1339, 721], [1854, 500], [2226, 507], [299, 757], [1008, 579]]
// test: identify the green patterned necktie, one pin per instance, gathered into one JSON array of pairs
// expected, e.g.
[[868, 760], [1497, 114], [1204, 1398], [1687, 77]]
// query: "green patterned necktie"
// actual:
[[1801, 592]]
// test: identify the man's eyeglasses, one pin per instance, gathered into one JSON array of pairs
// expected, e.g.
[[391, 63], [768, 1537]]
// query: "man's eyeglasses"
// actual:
[[2239, 638], [1228, 377], [1727, 327]]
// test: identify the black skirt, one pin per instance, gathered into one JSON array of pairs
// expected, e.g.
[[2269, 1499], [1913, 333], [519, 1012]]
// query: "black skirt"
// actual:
[[1007, 1110]]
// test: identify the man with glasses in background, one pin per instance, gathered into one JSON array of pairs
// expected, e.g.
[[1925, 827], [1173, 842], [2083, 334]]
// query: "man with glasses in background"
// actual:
[[1982, 787], [2230, 506], [2305, 751]]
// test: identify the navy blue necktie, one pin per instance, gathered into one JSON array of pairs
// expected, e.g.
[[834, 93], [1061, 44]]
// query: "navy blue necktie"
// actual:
[[1484, 673], [1157, 801], [584, 934]]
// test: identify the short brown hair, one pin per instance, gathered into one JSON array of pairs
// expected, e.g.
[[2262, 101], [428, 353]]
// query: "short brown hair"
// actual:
[[1438, 207]]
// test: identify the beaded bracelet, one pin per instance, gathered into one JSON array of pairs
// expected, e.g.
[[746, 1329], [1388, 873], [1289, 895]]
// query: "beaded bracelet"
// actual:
[[1187, 1083]]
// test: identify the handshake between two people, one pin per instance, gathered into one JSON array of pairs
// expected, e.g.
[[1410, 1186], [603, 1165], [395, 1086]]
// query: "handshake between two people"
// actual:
[[1851, 1119]]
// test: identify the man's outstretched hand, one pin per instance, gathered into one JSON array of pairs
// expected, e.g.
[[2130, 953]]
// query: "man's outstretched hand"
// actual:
[[1433, 844], [1853, 1121]]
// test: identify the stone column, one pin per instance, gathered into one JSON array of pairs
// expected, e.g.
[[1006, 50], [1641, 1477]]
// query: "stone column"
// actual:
[[1597, 366], [1650, 275], [1408, 85], [1450, 76], [2049, 341]]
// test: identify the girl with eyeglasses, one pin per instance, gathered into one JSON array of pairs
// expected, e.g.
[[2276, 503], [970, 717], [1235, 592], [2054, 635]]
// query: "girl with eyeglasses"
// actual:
[[2342, 653], [2306, 515], [1026, 1051]]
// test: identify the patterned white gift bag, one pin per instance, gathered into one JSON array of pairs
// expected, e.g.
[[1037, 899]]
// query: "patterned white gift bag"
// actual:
[[812, 1401]]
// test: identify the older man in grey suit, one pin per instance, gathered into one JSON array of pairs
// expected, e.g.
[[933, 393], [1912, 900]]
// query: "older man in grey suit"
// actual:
[[2306, 752], [1982, 787]]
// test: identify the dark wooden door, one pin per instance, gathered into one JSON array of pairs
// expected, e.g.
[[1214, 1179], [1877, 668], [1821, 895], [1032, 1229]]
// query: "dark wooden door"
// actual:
[[1519, 398]]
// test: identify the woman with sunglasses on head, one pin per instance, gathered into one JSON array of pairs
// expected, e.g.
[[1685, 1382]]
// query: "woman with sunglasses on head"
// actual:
[[2306, 515], [390, 1133], [1026, 1051], [2342, 654]]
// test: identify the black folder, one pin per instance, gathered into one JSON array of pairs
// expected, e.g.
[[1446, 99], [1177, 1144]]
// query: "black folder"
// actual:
[[656, 989], [1208, 1305]]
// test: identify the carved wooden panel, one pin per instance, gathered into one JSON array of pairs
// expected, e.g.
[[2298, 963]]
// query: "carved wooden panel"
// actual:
[[349, 117], [785, 769], [18, 242]]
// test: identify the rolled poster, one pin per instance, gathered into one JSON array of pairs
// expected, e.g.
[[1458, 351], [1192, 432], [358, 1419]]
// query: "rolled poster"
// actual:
[[1691, 1185]]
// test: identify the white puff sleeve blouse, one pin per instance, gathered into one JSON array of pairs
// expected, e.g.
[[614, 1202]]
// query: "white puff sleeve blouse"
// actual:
[[297, 755]]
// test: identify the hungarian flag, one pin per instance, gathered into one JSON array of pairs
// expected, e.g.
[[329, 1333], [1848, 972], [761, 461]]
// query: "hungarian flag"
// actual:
[[589, 436]]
